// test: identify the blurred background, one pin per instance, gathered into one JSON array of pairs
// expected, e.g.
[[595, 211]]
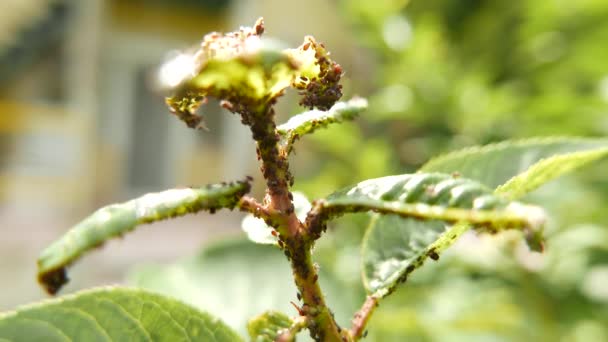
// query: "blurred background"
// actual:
[[82, 125]]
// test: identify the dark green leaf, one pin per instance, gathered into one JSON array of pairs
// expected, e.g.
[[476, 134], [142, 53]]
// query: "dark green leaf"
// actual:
[[118, 219], [112, 314], [267, 326]]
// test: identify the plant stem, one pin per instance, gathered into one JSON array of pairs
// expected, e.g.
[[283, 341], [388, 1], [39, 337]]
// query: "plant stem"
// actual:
[[293, 236], [251, 205], [322, 325], [362, 317]]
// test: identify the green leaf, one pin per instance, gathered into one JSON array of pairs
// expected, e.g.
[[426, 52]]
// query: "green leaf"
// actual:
[[308, 122], [394, 247], [433, 196], [547, 170], [112, 314], [267, 326], [237, 280], [258, 231], [118, 219], [495, 164]]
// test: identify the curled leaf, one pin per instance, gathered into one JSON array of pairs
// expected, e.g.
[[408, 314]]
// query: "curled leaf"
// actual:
[[318, 77], [428, 196], [247, 72], [117, 219], [268, 326], [308, 122]]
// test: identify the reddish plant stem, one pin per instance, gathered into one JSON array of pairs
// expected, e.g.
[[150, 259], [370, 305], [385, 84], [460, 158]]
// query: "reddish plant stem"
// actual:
[[322, 325], [251, 205], [362, 317], [293, 235]]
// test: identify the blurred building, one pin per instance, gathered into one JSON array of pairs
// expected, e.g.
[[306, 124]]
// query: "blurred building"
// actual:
[[80, 118]]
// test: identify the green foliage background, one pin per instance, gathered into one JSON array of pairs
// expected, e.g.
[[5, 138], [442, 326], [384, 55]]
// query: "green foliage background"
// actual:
[[474, 72]]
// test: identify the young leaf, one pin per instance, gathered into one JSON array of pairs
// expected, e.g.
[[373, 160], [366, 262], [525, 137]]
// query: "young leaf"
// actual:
[[495, 164], [245, 71], [118, 219], [112, 314], [433, 196], [259, 232], [237, 280], [267, 326], [310, 121]]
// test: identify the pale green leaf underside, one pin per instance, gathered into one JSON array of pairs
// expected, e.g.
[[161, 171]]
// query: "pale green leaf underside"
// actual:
[[267, 326], [493, 165], [388, 254], [112, 314], [237, 280], [118, 219], [259, 232], [310, 121], [393, 247]]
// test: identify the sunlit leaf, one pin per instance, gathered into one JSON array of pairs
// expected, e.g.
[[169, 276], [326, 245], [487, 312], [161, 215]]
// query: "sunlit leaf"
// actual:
[[112, 314], [388, 252], [547, 170], [430, 196], [246, 72], [308, 122], [117, 219], [393, 247]]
